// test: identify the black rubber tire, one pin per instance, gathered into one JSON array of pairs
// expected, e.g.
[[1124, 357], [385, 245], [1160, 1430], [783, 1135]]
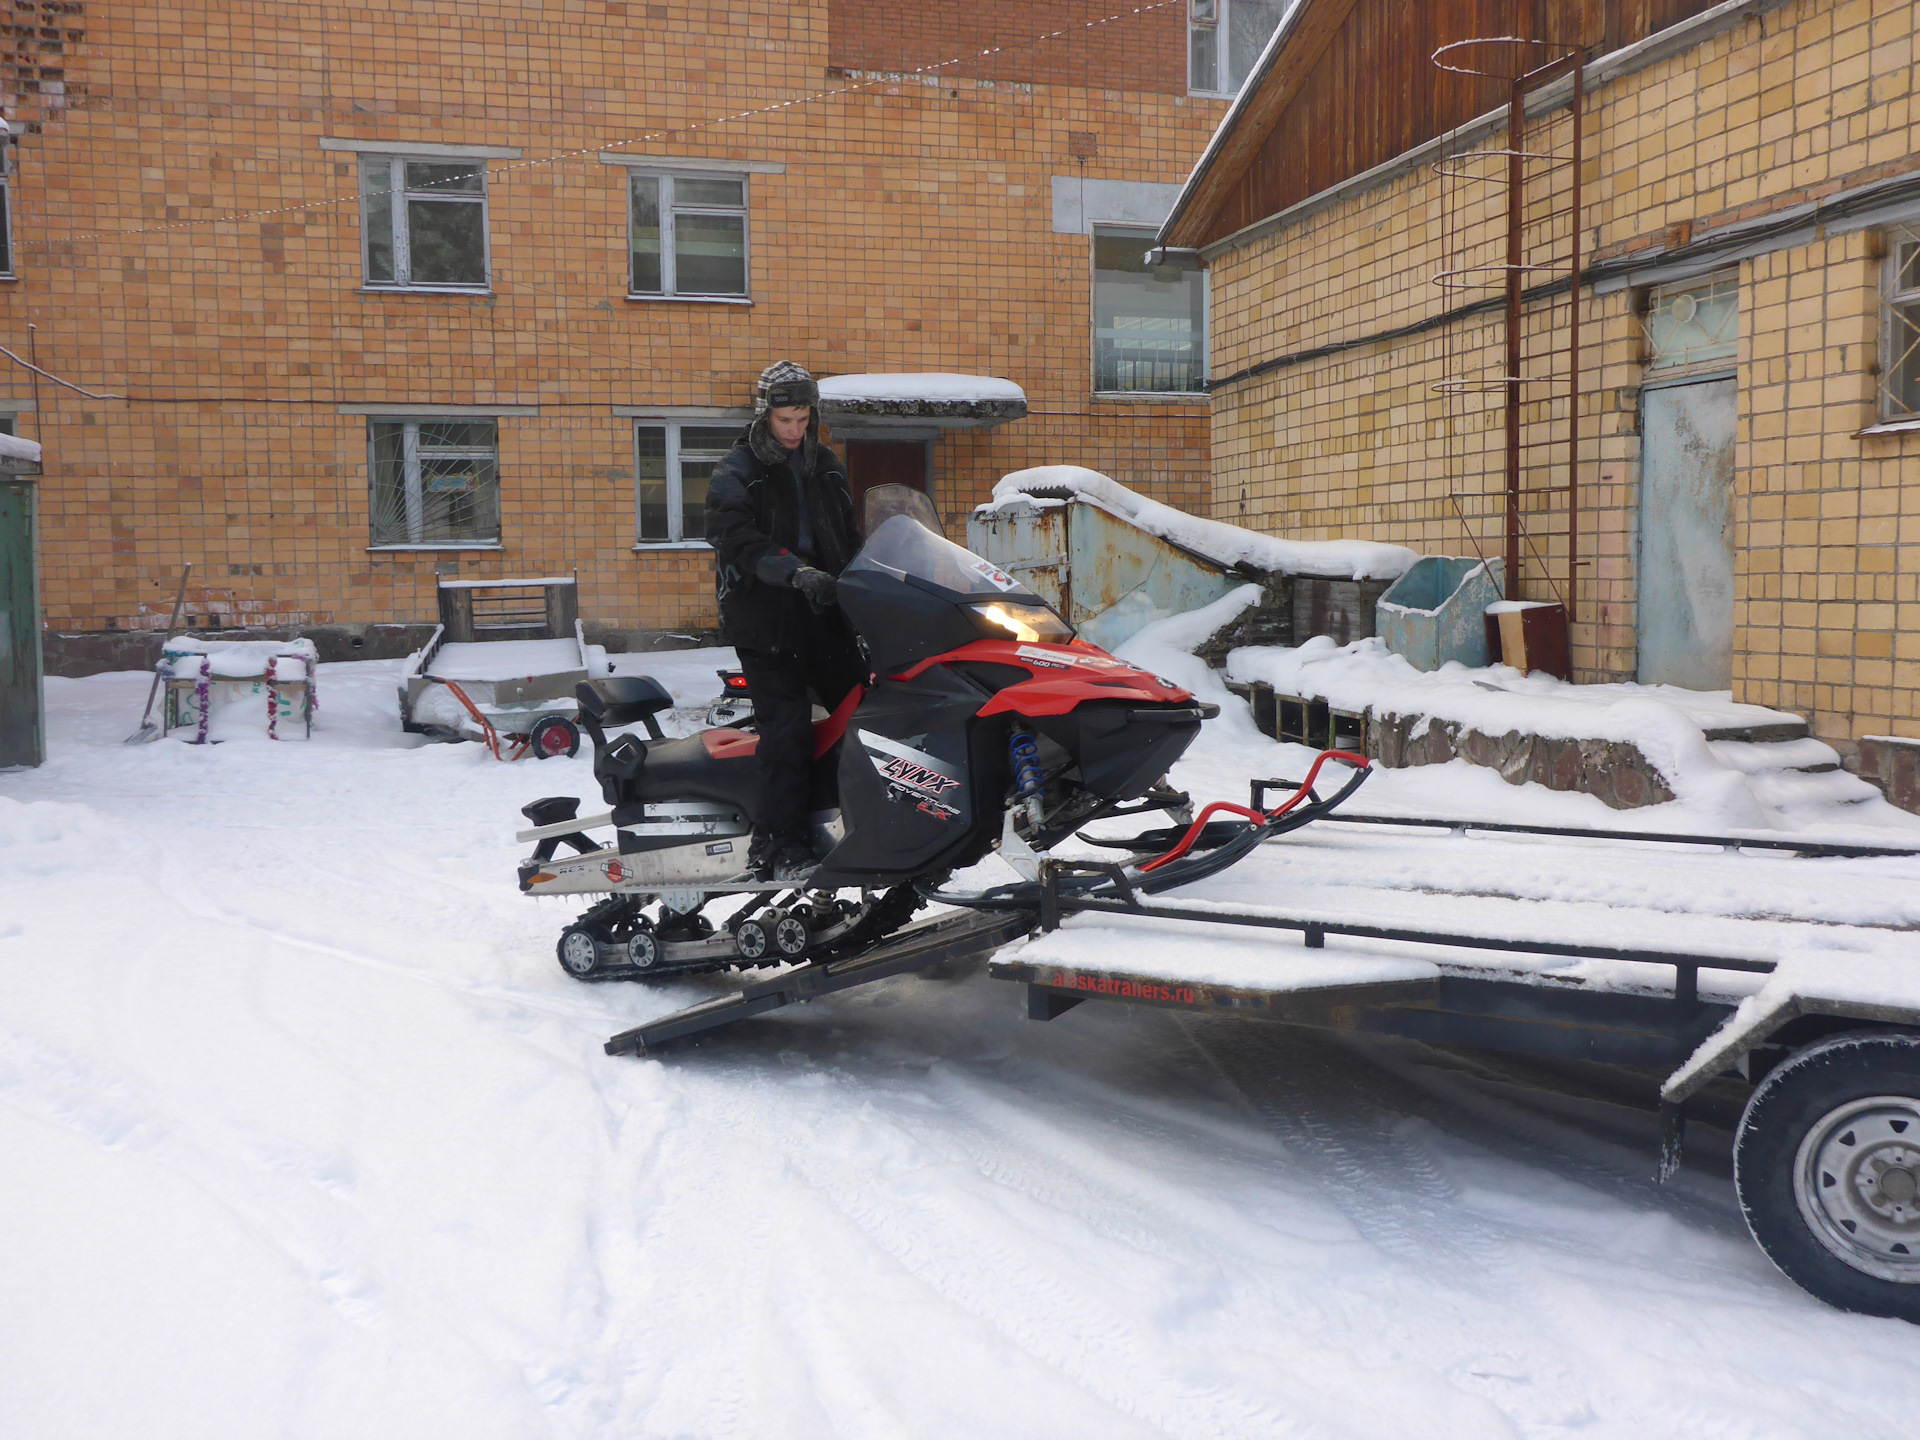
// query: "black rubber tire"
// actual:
[[1792, 1102], [553, 735], [578, 938]]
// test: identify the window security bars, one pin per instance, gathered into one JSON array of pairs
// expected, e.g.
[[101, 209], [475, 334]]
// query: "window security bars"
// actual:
[[423, 223], [1693, 324], [672, 464], [687, 235], [1899, 381], [1149, 323], [434, 482]]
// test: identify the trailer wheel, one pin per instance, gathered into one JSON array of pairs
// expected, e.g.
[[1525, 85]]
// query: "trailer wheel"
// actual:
[[1827, 1165], [553, 735], [579, 952]]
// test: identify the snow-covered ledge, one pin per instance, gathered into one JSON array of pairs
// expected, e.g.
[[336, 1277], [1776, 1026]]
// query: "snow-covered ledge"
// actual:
[[920, 400]]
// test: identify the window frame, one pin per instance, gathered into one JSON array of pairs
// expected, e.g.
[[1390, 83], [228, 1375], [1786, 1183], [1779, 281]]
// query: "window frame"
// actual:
[[413, 482], [1221, 24], [666, 179], [7, 271], [1146, 236], [400, 229], [673, 425], [1888, 405]]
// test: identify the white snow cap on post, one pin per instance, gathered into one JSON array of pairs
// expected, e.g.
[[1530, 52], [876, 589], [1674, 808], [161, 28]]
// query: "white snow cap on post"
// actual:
[[1226, 545]]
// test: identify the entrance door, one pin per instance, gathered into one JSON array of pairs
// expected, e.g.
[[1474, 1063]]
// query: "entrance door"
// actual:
[[20, 736], [1686, 535], [884, 462]]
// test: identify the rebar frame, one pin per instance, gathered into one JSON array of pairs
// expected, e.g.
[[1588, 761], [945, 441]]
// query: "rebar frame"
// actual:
[[1482, 58]]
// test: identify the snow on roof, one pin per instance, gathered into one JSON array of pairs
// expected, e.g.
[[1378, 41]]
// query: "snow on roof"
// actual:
[[1215, 540], [14, 448], [928, 385]]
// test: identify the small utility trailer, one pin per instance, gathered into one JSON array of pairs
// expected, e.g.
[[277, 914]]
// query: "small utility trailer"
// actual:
[[1827, 1150], [501, 667], [1825, 1043]]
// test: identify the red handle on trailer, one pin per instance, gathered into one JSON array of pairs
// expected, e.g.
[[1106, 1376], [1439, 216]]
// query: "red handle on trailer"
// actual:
[[1259, 817]]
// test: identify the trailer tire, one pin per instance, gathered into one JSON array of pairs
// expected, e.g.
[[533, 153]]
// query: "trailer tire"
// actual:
[[1827, 1167], [554, 735]]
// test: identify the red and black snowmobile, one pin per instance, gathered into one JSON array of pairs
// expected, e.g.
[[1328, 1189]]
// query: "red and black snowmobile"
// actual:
[[984, 724]]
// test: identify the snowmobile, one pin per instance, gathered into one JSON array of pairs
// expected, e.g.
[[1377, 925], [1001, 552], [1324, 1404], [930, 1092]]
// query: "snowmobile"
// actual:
[[985, 724]]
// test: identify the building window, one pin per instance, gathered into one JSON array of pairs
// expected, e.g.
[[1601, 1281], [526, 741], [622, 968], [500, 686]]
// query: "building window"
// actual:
[[1693, 324], [423, 223], [1224, 39], [1149, 323], [687, 235], [1900, 326], [434, 482], [671, 466]]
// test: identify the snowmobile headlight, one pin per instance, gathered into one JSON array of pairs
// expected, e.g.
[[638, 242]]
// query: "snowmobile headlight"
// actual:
[[1025, 623]]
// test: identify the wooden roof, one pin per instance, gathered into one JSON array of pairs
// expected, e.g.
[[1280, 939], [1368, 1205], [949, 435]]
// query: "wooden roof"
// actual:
[[1350, 84]]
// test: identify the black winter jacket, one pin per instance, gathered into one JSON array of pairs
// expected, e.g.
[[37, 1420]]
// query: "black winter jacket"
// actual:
[[753, 524]]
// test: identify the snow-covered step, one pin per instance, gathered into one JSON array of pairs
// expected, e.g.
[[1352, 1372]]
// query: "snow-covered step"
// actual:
[[1755, 757]]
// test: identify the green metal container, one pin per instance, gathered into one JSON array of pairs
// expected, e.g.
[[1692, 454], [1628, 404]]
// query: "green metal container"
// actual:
[[22, 731]]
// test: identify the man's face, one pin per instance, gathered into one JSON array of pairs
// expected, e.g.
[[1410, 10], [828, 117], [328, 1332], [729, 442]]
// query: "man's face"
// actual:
[[789, 424]]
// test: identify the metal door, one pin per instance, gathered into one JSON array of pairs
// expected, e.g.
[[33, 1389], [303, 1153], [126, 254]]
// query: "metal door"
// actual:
[[1686, 534], [21, 741]]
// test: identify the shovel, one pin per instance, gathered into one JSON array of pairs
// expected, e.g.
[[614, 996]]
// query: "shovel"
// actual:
[[148, 730]]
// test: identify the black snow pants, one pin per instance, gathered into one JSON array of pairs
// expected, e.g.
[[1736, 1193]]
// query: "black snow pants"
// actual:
[[825, 658]]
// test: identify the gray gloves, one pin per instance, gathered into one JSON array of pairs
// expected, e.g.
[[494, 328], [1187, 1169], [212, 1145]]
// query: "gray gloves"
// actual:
[[818, 586]]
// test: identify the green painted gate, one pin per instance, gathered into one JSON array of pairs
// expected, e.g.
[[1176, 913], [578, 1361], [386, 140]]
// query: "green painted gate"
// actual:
[[22, 741]]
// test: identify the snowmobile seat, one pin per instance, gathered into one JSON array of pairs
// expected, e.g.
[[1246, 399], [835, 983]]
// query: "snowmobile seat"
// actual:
[[716, 765]]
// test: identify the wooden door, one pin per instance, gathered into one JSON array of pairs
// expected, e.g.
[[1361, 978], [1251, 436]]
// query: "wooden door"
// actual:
[[884, 462]]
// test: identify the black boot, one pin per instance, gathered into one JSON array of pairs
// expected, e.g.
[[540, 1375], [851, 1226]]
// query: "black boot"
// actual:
[[791, 858], [758, 850]]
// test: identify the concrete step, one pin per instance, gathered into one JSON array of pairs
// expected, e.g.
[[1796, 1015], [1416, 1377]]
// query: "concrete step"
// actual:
[[1761, 734]]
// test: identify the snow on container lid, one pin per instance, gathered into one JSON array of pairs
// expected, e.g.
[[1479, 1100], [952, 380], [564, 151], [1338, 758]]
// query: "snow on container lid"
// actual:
[[1225, 545]]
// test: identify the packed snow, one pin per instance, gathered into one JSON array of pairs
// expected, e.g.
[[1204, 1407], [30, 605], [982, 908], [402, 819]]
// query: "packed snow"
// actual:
[[1226, 545], [238, 659], [307, 1134], [497, 660], [922, 385]]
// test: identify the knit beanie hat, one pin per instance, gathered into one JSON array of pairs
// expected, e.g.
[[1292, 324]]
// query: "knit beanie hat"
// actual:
[[784, 383]]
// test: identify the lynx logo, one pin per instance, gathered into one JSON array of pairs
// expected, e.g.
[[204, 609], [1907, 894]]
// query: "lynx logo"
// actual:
[[911, 774]]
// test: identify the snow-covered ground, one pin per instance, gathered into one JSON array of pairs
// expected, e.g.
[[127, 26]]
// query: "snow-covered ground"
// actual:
[[306, 1134]]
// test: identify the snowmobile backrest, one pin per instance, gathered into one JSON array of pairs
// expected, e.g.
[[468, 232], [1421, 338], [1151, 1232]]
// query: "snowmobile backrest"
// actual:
[[623, 700]]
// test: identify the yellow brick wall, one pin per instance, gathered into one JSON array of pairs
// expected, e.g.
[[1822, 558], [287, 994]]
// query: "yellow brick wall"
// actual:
[[184, 241], [1809, 99]]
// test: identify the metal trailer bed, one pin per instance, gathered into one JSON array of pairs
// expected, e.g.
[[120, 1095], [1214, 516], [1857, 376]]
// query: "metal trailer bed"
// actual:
[[501, 667], [1827, 1153]]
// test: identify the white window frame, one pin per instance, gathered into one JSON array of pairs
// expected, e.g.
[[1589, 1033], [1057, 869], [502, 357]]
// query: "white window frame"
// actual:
[[1217, 16], [1898, 336], [413, 487], [397, 212], [666, 179], [673, 425]]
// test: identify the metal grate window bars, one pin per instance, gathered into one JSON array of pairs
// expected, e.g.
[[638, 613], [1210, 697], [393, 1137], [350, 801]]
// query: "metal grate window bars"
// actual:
[[434, 482], [1899, 378]]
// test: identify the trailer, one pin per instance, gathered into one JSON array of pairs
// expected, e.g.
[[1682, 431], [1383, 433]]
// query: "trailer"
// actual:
[[1823, 1044], [502, 667]]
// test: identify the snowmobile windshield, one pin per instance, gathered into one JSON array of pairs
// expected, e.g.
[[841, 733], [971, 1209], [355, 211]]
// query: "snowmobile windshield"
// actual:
[[912, 593], [910, 551]]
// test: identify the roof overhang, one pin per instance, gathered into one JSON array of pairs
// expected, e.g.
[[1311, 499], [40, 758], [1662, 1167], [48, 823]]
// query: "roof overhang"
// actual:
[[1293, 50], [919, 402]]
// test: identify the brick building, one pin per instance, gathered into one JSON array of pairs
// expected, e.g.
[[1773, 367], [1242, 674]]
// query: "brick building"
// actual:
[[355, 294], [1748, 474]]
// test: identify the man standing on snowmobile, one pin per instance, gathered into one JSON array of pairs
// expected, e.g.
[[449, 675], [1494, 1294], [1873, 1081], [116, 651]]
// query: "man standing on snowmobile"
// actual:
[[780, 519]]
